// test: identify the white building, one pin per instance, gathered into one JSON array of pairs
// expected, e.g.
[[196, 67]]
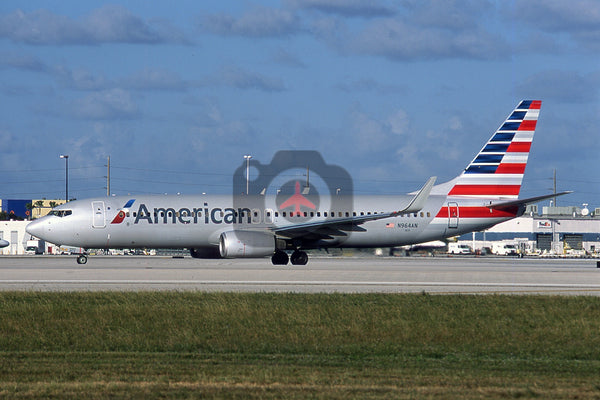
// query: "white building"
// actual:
[[14, 233], [557, 228]]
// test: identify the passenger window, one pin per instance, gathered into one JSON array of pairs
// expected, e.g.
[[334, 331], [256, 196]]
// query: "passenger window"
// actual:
[[256, 216]]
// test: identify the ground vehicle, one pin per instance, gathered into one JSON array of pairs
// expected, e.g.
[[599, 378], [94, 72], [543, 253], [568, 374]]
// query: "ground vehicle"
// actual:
[[504, 249], [459, 248], [34, 246]]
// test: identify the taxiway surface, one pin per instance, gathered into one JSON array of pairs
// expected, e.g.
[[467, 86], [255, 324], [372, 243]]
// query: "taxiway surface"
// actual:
[[328, 274]]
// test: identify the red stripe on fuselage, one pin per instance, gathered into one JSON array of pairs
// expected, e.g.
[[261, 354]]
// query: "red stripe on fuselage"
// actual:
[[480, 212], [479, 190]]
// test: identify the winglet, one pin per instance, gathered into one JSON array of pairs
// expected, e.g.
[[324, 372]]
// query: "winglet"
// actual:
[[418, 202]]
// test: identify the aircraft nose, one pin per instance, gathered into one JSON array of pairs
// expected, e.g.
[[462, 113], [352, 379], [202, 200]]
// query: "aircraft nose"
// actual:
[[35, 228]]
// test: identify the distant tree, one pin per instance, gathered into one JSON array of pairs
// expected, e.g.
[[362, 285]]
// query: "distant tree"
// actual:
[[4, 216], [29, 207], [52, 204], [39, 204]]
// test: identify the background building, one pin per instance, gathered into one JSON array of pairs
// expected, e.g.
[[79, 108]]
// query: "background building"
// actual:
[[556, 229], [14, 232], [28, 209]]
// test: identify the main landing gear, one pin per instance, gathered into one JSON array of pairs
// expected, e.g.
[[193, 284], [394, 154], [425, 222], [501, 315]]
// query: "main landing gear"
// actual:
[[298, 257], [81, 259]]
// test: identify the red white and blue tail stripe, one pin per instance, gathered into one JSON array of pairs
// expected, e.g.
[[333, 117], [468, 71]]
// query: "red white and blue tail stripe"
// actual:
[[497, 170]]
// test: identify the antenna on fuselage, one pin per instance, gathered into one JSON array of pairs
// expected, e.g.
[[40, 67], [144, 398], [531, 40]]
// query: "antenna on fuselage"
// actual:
[[307, 186]]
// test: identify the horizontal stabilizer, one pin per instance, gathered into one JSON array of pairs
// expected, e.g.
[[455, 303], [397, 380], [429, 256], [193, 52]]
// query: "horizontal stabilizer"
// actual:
[[523, 202]]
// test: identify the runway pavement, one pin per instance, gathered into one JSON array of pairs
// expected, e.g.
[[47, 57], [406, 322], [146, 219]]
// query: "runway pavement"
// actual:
[[325, 274]]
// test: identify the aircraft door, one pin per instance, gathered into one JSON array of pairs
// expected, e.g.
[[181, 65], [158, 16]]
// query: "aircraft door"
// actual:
[[98, 221], [452, 215]]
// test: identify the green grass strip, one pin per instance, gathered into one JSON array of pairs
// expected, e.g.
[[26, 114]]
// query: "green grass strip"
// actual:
[[227, 345]]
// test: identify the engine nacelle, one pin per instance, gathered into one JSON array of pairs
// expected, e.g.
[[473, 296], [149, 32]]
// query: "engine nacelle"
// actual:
[[205, 252], [239, 244]]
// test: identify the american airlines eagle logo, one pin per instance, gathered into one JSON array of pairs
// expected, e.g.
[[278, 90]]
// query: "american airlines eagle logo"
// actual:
[[123, 212]]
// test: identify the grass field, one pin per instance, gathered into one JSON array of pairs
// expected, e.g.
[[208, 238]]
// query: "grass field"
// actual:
[[190, 345]]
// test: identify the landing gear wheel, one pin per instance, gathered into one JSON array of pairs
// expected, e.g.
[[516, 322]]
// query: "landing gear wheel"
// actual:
[[280, 258], [81, 259], [299, 257]]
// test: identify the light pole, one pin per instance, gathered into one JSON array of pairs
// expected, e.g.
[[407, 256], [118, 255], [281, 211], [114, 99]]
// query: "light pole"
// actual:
[[247, 157], [66, 157]]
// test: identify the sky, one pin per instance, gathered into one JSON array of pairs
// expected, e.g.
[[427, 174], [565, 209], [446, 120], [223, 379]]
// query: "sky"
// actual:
[[176, 93]]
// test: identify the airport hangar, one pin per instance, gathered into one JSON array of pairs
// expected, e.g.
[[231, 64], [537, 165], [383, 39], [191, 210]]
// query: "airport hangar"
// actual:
[[568, 227]]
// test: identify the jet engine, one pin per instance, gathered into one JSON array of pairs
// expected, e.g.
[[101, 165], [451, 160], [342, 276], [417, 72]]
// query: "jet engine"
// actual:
[[238, 244]]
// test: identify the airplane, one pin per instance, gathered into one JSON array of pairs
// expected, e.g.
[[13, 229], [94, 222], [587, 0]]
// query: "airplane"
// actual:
[[484, 194], [3, 243]]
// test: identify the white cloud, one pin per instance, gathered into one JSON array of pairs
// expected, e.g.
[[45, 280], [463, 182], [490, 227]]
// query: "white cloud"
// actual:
[[373, 135], [561, 86], [579, 20], [258, 22], [106, 104], [346, 8], [21, 61], [155, 79], [107, 24], [241, 79], [403, 41]]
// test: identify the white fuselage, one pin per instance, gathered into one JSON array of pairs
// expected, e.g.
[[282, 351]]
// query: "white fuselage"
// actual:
[[199, 220]]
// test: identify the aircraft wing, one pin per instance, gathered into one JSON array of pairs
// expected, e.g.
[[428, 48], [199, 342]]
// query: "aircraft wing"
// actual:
[[338, 227], [522, 202]]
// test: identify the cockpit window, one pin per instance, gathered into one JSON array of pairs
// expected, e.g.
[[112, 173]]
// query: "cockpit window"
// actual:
[[60, 213]]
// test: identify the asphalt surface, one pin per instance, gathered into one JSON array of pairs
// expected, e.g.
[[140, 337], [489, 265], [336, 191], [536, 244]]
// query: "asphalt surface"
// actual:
[[326, 274]]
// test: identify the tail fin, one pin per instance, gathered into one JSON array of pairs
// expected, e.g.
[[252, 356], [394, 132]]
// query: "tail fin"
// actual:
[[497, 170]]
